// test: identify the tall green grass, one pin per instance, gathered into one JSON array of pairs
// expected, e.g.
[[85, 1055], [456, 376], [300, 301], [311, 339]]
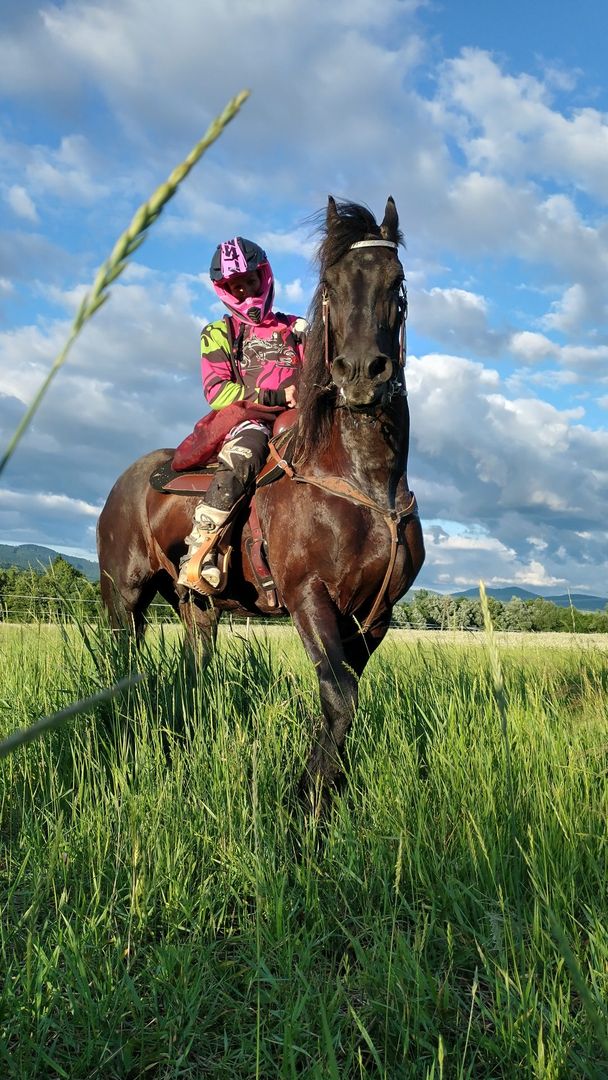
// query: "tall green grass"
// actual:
[[168, 911]]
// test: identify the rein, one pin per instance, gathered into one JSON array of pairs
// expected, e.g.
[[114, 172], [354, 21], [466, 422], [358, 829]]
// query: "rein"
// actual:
[[343, 489]]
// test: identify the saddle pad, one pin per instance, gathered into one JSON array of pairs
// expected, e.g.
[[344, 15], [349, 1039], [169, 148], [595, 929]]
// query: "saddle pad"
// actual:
[[189, 482]]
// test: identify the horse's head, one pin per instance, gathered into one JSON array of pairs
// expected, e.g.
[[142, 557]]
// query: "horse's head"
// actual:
[[364, 304]]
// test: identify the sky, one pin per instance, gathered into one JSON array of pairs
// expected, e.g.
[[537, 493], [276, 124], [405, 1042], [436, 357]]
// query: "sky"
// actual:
[[488, 123]]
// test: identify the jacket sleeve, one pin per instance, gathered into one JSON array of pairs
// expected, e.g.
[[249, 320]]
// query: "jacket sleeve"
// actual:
[[218, 377]]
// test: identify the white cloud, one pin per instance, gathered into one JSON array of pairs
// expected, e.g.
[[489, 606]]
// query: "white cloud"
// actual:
[[455, 317], [292, 291], [535, 575], [288, 243], [587, 360], [537, 542], [460, 562], [569, 311], [531, 347], [21, 203], [561, 78], [518, 467], [67, 173], [47, 502], [512, 127]]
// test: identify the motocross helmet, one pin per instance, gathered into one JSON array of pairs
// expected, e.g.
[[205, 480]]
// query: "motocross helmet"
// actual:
[[239, 256]]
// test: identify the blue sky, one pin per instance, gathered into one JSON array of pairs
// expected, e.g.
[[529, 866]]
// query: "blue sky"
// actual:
[[488, 124]]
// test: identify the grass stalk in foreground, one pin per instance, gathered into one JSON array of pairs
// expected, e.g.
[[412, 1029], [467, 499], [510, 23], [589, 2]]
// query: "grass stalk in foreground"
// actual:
[[596, 1019], [23, 736], [124, 247], [501, 703], [499, 685]]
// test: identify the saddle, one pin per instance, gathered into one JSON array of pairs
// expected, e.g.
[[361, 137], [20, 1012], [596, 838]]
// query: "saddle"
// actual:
[[196, 481]]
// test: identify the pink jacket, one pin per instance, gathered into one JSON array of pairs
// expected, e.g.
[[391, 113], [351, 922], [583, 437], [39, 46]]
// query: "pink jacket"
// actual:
[[250, 363]]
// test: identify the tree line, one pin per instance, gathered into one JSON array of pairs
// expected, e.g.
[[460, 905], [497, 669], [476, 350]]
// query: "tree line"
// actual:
[[431, 611], [61, 592], [57, 593]]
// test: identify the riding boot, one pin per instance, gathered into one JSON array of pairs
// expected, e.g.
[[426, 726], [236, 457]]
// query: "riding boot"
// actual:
[[199, 560]]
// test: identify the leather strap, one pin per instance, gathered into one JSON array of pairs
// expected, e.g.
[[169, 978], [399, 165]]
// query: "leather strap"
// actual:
[[343, 489], [284, 465], [254, 546]]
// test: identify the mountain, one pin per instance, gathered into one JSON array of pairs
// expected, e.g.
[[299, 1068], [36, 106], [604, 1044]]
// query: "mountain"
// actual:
[[580, 601], [36, 557]]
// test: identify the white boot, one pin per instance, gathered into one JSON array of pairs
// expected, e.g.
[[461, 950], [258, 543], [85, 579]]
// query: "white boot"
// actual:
[[199, 560]]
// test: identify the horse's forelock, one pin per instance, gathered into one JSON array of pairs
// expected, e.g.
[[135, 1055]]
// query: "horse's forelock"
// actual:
[[350, 222]]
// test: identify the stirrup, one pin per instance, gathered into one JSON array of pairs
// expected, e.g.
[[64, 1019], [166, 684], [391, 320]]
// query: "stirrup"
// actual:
[[190, 575], [191, 563]]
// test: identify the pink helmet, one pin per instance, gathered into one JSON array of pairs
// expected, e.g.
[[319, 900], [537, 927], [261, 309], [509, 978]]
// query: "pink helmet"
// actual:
[[240, 256]]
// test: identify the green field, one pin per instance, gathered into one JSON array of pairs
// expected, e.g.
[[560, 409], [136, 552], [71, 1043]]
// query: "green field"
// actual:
[[168, 911]]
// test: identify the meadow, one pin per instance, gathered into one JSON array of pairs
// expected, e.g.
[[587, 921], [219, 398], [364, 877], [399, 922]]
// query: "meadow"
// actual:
[[168, 910]]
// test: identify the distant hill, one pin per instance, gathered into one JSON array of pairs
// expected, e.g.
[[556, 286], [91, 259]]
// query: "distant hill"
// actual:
[[36, 557], [581, 601]]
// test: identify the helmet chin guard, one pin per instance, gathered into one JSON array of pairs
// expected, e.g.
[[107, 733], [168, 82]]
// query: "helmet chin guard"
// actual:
[[253, 309]]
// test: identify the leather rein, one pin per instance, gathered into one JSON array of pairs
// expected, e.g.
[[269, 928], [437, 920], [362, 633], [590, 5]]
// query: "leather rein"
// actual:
[[342, 488]]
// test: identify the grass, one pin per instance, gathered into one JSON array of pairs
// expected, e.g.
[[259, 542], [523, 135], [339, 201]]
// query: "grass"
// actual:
[[168, 912]]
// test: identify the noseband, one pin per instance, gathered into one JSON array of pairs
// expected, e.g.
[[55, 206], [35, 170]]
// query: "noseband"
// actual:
[[402, 304]]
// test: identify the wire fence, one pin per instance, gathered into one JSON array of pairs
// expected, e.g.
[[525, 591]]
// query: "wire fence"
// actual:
[[47, 608]]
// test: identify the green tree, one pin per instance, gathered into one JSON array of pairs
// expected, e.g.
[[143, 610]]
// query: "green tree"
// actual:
[[517, 615], [62, 587], [21, 589]]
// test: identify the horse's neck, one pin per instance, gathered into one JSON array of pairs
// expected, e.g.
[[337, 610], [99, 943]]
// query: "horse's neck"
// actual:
[[370, 451]]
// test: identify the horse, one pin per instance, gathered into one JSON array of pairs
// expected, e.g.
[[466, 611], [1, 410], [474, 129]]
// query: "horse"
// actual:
[[341, 527]]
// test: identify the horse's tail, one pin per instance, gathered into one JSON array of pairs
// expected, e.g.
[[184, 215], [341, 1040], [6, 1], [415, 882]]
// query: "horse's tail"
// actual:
[[129, 553]]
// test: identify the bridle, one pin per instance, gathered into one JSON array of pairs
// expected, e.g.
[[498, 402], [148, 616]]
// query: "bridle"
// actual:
[[339, 485], [402, 302]]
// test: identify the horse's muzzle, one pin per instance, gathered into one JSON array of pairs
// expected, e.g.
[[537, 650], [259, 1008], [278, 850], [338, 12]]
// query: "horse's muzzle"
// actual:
[[363, 384]]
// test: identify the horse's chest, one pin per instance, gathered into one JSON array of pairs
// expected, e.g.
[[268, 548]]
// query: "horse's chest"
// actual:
[[317, 535]]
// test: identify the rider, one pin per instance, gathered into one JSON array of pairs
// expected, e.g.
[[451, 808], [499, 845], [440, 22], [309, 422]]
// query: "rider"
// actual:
[[252, 354]]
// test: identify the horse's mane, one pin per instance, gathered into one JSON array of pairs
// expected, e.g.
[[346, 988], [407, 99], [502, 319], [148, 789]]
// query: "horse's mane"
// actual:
[[317, 396]]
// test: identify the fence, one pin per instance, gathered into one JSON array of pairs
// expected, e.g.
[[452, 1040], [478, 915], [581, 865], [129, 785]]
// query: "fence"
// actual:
[[20, 608]]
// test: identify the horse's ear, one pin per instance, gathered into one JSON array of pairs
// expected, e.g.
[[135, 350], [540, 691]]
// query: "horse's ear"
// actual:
[[390, 224], [332, 210]]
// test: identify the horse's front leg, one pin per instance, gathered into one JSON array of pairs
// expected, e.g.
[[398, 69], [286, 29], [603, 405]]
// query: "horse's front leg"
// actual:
[[200, 620], [317, 622]]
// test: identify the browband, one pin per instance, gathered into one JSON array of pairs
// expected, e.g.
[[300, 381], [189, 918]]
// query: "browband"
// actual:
[[374, 243]]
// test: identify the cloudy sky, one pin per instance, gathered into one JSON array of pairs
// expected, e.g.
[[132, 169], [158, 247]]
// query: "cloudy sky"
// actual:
[[489, 125]]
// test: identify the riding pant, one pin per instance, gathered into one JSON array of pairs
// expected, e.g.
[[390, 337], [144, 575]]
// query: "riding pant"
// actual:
[[243, 453]]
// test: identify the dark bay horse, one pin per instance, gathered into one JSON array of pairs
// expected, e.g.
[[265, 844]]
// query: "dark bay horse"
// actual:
[[342, 532]]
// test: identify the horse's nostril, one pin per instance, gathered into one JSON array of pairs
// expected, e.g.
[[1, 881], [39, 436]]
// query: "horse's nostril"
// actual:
[[342, 366], [377, 366]]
